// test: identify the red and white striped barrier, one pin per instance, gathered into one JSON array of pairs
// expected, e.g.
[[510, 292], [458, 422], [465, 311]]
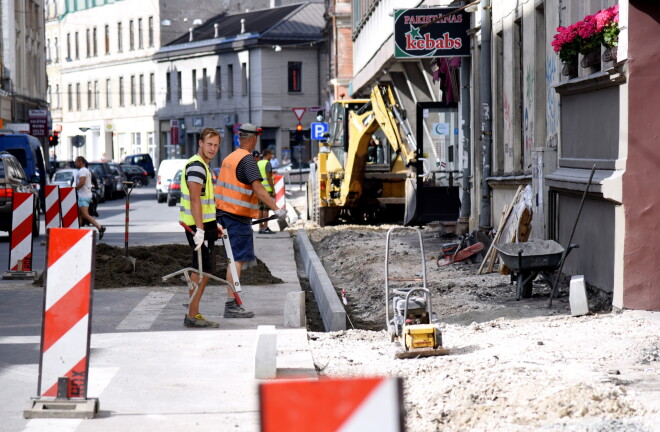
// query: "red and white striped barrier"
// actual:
[[279, 190], [20, 252], [349, 405], [69, 207], [66, 321], [53, 218]]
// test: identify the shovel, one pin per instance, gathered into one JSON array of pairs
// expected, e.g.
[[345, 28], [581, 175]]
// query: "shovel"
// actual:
[[128, 188]]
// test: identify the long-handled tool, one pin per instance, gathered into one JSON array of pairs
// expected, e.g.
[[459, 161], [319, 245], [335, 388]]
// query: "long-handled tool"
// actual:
[[128, 188], [570, 239], [282, 223]]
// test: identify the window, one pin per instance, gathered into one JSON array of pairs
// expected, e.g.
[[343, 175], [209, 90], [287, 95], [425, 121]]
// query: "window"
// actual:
[[168, 87], [121, 91], [194, 84], [49, 96], [132, 89], [244, 79], [205, 85], [294, 76], [120, 41], [179, 84], [89, 95], [57, 96], [89, 43], [108, 93], [57, 50], [141, 90], [77, 42], [95, 51], [48, 50], [96, 95], [230, 80], [140, 34], [218, 83], [131, 36], [152, 88], [70, 97], [78, 97], [151, 31], [68, 46], [107, 39]]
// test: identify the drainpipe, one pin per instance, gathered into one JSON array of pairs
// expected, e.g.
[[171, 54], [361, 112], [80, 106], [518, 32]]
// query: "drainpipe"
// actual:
[[486, 125], [466, 204], [249, 72]]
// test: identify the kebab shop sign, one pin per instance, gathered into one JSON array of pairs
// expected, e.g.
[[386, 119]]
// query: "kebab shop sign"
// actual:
[[430, 33]]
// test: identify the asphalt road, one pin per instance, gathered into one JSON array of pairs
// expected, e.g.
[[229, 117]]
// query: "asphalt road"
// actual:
[[150, 223]]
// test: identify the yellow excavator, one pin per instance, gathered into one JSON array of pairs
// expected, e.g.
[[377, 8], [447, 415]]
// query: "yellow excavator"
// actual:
[[369, 168]]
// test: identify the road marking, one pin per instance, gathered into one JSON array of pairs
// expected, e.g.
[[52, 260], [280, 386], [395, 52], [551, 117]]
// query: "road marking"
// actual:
[[145, 313], [99, 379]]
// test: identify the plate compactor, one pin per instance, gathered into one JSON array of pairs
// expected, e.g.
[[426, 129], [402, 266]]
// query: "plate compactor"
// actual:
[[410, 321]]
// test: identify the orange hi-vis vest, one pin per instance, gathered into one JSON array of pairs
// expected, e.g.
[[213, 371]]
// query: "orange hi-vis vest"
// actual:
[[231, 195]]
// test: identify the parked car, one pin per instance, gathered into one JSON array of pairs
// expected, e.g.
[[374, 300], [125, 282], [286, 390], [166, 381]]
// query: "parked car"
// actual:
[[216, 173], [13, 179], [166, 172], [105, 175], [64, 177], [142, 160], [174, 190], [120, 177], [136, 174], [27, 150]]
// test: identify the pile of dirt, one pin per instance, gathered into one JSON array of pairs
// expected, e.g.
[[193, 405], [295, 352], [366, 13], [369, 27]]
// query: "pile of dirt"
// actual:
[[113, 270]]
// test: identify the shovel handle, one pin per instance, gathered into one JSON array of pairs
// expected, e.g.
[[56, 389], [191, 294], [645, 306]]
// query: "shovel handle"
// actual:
[[186, 227]]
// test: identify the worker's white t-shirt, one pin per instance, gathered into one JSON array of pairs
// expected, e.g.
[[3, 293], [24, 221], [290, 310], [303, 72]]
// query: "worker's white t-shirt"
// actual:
[[86, 190]]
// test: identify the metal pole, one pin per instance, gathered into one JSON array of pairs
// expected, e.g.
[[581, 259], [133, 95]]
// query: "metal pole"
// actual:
[[466, 205], [486, 126], [128, 188]]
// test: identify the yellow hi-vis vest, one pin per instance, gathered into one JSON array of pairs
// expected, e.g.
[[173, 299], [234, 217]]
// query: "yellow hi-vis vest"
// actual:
[[231, 195], [208, 203], [264, 175]]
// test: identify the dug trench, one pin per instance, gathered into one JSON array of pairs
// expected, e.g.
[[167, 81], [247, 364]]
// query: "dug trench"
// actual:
[[113, 270]]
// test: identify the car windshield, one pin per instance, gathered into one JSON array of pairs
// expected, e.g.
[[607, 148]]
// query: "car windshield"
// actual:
[[63, 176], [177, 177]]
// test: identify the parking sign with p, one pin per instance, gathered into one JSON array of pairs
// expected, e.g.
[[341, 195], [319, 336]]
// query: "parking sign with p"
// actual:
[[318, 129]]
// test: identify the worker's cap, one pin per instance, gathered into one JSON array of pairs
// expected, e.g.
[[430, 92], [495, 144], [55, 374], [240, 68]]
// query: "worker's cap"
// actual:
[[256, 154], [247, 129]]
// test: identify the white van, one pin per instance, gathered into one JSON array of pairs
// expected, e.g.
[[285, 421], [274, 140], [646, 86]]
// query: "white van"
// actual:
[[166, 172]]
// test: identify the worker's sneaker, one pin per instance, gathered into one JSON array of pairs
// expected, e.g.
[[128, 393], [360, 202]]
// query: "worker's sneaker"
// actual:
[[268, 231], [199, 321], [233, 310], [101, 232]]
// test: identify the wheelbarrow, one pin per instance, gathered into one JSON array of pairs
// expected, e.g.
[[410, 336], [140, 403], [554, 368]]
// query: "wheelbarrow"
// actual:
[[529, 259]]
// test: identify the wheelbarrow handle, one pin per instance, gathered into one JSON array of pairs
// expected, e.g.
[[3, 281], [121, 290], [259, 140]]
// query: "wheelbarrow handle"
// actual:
[[186, 227]]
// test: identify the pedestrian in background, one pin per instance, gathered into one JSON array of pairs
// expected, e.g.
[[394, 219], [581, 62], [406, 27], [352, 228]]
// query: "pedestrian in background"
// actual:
[[198, 212], [266, 171], [84, 189], [237, 193]]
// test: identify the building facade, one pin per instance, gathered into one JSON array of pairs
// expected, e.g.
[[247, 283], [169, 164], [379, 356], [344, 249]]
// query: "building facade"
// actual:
[[536, 121], [243, 67], [23, 62]]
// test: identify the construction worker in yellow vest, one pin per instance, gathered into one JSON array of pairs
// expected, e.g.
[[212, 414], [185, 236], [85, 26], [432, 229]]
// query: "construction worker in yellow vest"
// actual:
[[266, 170], [198, 212], [237, 192]]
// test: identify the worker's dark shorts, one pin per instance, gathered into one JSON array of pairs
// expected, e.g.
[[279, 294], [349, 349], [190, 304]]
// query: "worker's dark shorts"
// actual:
[[211, 234], [240, 238]]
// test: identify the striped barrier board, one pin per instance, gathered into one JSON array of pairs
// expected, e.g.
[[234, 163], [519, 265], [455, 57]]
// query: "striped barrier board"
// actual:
[[20, 252], [348, 405], [53, 217], [69, 207], [66, 327], [278, 181]]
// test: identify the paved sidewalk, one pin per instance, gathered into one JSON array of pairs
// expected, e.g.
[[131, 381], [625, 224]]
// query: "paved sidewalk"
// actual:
[[168, 378]]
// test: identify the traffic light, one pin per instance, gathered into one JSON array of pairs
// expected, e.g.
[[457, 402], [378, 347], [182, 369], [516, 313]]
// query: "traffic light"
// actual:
[[298, 127], [54, 139]]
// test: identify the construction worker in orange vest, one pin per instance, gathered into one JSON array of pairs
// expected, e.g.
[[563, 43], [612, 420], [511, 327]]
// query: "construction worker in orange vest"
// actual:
[[237, 194]]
